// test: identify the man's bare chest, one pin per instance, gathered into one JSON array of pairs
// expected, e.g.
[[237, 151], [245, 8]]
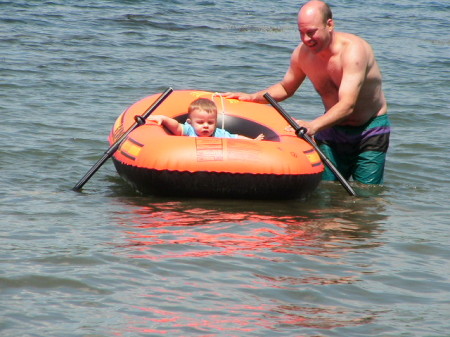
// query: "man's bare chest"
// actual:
[[326, 75], [325, 83]]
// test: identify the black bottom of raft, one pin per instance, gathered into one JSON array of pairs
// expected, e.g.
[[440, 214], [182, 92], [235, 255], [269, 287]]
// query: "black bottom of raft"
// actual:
[[218, 185]]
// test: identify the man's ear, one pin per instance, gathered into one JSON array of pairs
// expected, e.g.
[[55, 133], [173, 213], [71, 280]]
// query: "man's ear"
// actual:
[[189, 121], [330, 24]]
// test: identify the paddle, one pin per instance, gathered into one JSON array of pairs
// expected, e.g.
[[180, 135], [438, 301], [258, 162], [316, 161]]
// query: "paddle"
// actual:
[[113, 148], [301, 132]]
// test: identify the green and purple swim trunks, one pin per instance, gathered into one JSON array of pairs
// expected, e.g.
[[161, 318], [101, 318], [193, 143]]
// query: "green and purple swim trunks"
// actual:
[[357, 151]]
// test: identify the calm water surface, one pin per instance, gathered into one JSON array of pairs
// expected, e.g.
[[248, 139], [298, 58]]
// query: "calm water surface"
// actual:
[[109, 262]]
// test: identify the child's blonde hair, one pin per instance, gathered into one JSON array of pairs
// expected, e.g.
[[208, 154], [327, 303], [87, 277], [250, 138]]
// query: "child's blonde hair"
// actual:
[[204, 104]]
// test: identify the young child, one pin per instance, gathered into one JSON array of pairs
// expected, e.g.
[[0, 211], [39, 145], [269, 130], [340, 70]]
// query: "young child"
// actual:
[[201, 122]]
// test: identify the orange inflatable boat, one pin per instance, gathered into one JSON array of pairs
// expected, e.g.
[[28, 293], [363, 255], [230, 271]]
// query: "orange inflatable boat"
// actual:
[[156, 162]]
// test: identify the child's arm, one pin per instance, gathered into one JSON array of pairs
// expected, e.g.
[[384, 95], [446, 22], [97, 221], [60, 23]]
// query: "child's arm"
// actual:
[[259, 137], [170, 123]]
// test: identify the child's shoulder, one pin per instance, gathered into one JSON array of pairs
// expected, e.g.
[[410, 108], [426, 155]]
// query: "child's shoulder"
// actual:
[[221, 133]]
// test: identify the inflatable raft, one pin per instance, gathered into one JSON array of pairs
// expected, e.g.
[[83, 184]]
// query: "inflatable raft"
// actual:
[[156, 162]]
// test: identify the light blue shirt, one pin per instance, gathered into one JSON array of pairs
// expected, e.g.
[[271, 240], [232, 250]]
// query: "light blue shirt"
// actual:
[[188, 130]]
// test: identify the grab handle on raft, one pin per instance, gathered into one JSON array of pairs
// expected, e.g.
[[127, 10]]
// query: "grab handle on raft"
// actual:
[[113, 148], [301, 132]]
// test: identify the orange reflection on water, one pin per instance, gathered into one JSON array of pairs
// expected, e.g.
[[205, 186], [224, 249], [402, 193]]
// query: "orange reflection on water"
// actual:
[[174, 230], [202, 322], [247, 319], [201, 232]]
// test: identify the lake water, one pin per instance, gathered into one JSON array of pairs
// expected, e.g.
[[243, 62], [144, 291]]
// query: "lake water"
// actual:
[[109, 262]]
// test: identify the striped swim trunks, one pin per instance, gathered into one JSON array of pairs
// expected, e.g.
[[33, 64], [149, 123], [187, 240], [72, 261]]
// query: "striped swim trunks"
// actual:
[[357, 151]]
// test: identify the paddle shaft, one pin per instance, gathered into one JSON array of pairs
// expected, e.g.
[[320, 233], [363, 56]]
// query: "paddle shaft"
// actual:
[[301, 132], [113, 148]]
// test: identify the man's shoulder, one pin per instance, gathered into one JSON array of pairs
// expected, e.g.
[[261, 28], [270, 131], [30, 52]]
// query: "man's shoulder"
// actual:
[[351, 46], [350, 40]]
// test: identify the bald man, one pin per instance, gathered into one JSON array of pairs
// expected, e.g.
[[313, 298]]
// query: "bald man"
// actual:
[[354, 130]]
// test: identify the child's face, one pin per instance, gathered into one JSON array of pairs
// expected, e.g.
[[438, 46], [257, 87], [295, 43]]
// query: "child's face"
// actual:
[[204, 123]]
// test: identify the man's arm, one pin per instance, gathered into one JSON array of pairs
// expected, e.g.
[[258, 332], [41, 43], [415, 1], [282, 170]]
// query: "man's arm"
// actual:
[[354, 65], [292, 80]]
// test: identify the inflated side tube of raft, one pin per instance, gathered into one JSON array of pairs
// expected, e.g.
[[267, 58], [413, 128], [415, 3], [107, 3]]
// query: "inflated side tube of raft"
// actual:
[[156, 162]]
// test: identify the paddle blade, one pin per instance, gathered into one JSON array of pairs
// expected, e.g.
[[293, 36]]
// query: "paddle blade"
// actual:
[[113, 148]]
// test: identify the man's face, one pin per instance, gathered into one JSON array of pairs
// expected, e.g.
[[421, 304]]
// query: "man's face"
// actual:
[[314, 33]]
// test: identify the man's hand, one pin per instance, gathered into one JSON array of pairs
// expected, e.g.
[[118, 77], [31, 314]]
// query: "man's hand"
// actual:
[[241, 96], [307, 125]]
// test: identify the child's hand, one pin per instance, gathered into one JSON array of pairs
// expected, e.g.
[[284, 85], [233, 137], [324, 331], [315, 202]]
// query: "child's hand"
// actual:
[[155, 119], [260, 137]]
